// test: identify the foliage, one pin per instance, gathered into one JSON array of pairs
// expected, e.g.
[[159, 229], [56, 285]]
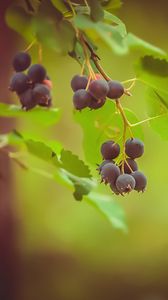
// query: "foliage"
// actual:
[[56, 24]]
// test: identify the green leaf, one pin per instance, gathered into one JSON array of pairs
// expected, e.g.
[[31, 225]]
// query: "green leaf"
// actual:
[[145, 48], [115, 21], [59, 5], [57, 36], [40, 149], [40, 115], [101, 125], [157, 106], [96, 11], [74, 165], [111, 210], [108, 33], [153, 72], [20, 21]]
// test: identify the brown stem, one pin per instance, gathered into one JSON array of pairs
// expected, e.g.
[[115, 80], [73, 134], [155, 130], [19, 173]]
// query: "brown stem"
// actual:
[[95, 58]]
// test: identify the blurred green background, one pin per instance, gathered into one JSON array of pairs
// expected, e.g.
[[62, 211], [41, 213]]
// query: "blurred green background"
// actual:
[[68, 251]]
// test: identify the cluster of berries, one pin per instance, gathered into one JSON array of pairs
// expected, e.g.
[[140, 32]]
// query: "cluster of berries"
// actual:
[[32, 88], [123, 177], [92, 93]]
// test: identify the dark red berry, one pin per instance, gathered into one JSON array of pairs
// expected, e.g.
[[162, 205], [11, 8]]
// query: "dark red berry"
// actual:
[[125, 183], [116, 89], [95, 104], [27, 100], [81, 99], [37, 73], [19, 83], [21, 61], [114, 188], [99, 88], [110, 150], [41, 94], [110, 172], [134, 148], [79, 82], [130, 166], [104, 163], [140, 181]]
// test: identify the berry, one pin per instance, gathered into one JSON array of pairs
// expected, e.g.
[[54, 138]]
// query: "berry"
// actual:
[[134, 148], [98, 76], [110, 150], [130, 166], [104, 163], [114, 188], [110, 172], [140, 181], [81, 99], [19, 83], [99, 88], [95, 104], [48, 83], [125, 183], [37, 73], [116, 89], [27, 99], [21, 61], [79, 82], [41, 94]]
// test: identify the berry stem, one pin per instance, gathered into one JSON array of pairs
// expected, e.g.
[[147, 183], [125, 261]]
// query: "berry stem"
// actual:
[[40, 53], [86, 4], [95, 58], [91, 72], [72, 8], [147, 120], [30, 45]]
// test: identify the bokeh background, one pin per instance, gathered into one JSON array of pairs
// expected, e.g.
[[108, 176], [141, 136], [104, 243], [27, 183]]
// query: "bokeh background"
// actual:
[[63, 249]]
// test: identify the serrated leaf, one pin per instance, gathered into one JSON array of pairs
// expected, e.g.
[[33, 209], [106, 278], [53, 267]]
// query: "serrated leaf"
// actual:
[[111, 210], [153, 72], [74, 165], [107, 33], [40, 150], [101, 125], [96, 11], [115, 21], [40, 115], [20, 21], [157, 106]]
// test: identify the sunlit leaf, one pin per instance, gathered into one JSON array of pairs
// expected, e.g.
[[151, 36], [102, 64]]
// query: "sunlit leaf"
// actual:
[[110, 18], [41, 115], [96, 11], [153, 72], [111, 210], [101, 125], [73, 164], [157, 106]]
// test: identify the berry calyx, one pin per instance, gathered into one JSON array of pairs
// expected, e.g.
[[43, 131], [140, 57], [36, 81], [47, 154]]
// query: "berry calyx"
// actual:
[[41, 94], [134, 148], [110, 150], [116, 89], [125, 183], [21, 61], [79, 82], [19, 83], [140, 181], [109, 173], [81, 99], [37, 73], [99, 88]]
